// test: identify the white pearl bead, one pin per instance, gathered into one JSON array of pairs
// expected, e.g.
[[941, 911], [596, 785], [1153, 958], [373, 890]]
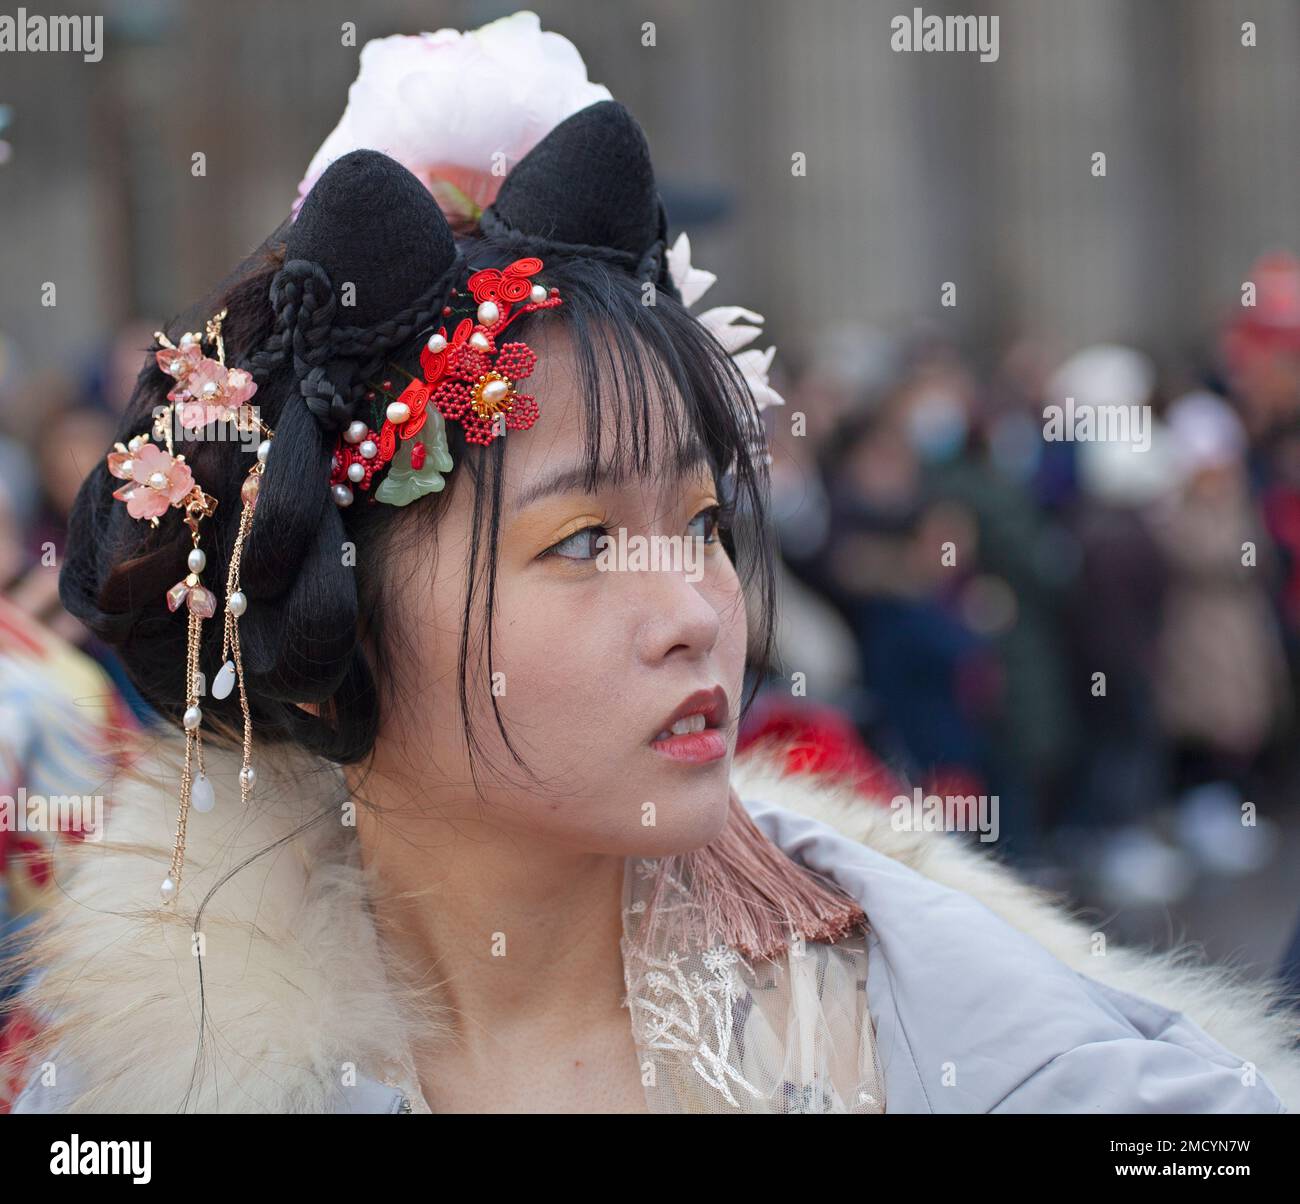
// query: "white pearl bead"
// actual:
[[202, 797], [128, 467], [237, 603], [495, 391], [134, 445], [478, 340], [248, 777], [225, 681], [488, 313], [356, 472], [193, 717], [168, 890], [369, 449], [197, 560], [157, 480], [342, 495], [263, 450], [436, 343], [210, 388], [356, 432], [398, 411], [539, 293]]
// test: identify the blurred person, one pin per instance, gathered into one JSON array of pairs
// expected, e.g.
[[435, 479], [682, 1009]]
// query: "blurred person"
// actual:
[[932, 681], [1009, 594], [73, 441], [1110, 831], [1260, 349], [1259, 356], [1013, 427], [60, 719], [1222, 689]]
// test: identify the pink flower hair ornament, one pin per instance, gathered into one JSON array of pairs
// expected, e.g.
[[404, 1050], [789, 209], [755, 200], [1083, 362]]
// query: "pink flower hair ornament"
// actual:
[[158, 480]]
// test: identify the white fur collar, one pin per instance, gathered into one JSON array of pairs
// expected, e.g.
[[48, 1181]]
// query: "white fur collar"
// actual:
[[294, 977]]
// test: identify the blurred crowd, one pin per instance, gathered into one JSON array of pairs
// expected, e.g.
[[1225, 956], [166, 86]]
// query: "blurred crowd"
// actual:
[[1103, 632]]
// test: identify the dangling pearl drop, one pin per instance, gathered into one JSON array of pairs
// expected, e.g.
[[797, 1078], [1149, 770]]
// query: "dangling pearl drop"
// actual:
[[225, 681], [202, 796]]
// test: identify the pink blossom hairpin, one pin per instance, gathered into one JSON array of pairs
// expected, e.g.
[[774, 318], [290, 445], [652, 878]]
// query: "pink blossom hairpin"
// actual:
[[157, 480]]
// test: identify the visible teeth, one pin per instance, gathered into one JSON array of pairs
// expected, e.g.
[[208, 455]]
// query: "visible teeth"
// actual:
[[690, 723]]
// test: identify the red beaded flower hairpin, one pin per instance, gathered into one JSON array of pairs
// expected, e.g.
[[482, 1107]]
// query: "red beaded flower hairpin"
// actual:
[[471, 377]]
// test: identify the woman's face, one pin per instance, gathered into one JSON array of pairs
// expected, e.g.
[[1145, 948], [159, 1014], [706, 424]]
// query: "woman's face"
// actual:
[[592, 655]]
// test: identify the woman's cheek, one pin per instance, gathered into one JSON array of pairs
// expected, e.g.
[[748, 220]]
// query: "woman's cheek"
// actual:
[[553, 628], [722, 583]]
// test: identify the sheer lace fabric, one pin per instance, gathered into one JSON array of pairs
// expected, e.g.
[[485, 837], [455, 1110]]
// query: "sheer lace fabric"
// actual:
[[715, 1034]]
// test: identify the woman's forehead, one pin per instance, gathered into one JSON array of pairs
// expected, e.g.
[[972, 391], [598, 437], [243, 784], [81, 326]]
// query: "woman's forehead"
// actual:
[[575, 474]]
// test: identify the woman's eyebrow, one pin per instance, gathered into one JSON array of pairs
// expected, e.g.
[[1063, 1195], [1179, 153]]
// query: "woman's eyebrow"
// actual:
[[575, 479]]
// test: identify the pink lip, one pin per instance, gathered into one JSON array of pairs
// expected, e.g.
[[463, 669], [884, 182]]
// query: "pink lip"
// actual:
[[697, 747]]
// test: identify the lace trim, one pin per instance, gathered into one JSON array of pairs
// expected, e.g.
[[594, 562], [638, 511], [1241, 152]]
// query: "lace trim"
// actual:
[[717, 1034]]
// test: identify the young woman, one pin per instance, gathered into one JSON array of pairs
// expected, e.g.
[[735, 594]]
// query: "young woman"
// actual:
[[460, 826]]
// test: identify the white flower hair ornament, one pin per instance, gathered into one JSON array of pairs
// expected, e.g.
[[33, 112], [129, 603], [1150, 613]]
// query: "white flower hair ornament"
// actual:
[[459, 110], [732, 325]]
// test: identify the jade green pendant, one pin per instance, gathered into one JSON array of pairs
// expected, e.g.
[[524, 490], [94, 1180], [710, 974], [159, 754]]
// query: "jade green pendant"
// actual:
[[403, 484]]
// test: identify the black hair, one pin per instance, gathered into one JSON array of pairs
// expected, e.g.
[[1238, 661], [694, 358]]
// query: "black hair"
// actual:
[[315, 629]]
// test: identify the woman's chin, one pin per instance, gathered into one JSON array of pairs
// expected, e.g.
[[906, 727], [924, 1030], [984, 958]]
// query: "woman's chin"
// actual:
[[682, 820]]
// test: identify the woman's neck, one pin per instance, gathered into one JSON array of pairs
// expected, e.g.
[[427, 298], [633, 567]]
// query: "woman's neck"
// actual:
[[522, 937]]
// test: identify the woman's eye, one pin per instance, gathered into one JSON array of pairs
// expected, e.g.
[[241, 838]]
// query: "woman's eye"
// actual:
[[581, 545], [711, 519], [588, 542]]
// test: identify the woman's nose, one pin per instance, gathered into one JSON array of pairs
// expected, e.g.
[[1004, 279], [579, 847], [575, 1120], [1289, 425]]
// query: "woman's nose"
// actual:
[[676, 615]]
